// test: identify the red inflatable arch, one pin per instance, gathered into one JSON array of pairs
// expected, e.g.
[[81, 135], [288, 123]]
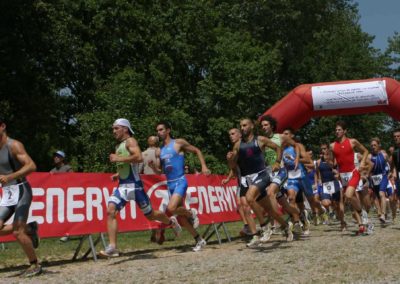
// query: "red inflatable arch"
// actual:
[[336, 98]]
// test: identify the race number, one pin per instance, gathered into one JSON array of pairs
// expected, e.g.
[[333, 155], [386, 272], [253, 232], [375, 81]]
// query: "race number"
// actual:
[[10, 195], [345, 177], [127, 191], [376, 179], [294, 173], [328, 187]]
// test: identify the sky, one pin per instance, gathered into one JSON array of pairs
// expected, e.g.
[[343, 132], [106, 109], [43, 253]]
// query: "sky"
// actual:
[[380, 18]]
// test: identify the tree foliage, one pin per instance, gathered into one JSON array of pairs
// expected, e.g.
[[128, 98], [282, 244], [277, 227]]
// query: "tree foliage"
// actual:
[[70, 68]]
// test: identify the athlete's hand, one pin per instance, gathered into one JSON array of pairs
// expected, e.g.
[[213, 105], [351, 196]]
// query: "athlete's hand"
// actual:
[[276, 167], [114, 158], [4, 179], [114, 177], [205, 171], [225, 181], [229, 155]]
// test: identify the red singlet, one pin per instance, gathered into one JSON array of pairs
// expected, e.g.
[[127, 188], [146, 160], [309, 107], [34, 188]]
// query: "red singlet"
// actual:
[[344, 155]]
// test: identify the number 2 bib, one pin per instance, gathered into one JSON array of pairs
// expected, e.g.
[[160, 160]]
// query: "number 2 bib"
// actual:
[[10, 195]]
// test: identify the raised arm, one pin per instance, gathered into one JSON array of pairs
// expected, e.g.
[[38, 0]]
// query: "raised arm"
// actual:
[[187, 147]]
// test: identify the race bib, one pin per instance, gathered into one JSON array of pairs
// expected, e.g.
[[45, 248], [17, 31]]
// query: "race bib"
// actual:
[[10, 195], [376, 179], [294, 174], [243, 181], [127, 191], [328, 187], [345, 177]]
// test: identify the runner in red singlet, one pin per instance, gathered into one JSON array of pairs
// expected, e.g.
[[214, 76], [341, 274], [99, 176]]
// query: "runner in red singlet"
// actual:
[[343, 150]]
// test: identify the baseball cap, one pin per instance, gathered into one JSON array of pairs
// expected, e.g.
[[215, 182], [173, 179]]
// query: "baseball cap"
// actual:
[[60, 153], [124, 122]]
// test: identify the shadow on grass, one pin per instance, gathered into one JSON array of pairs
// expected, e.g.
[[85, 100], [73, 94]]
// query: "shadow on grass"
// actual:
[[132, 255]]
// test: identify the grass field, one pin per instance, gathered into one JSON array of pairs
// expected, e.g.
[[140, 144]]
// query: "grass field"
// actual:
[[326, 256]]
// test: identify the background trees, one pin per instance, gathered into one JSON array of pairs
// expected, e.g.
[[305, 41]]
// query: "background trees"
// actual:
[[69, 68]]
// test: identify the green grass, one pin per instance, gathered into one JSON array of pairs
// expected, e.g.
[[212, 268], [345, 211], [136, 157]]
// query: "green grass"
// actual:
[[53, 251]]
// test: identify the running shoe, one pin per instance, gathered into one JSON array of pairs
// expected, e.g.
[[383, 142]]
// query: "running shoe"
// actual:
[[364, 217], [266, 233], [316, 220], [33, 234], [297, 230], [33, 270], [199, 245], [382, 219], [194, 219], [370, 228], [288, 232], [254, 242], [160, 238], [361, 230], [343, 227], [325, 218], [109, 252], [176, 226], [276, 231]]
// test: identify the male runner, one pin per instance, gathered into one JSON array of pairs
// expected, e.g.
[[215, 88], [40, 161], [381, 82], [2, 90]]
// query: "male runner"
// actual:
[[248, 155], [243, 208], [15, 165], [379, 177], [172, 159], [127, 158], [343, 150], [395, 160]]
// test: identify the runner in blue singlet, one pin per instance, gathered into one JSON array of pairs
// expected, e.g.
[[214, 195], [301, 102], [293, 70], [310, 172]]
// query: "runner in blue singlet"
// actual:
[[379, 177], [172, 160]]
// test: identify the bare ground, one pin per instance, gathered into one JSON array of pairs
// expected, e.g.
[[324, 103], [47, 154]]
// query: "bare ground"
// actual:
[[326, 256]]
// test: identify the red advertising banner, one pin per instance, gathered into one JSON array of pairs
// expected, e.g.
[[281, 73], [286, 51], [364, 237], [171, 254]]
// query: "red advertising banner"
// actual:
[[76, 203]]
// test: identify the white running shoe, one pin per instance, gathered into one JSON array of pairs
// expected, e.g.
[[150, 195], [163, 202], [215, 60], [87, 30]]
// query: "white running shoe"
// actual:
[[266, 233], [288, 232], [199, 245], [364, 217], [109, 252], [254, 242], [194, 219], [297, 229], [382, 219], [175, 225], [370, 228]]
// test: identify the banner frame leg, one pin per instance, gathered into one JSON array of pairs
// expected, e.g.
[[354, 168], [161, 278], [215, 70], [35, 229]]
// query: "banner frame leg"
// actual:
[[78, 248], [217, 233], [226, 232]]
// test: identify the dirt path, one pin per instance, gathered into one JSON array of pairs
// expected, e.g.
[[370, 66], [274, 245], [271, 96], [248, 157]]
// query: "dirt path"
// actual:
[[326, 256]]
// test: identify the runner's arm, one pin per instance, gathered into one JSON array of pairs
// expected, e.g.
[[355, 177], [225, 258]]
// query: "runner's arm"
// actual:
[[28, 165], [157, 165], [135, 154], [187, 147]]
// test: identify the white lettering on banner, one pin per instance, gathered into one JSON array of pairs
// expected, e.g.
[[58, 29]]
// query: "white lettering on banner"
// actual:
[[202, 193], [37, 205], [220, 195], [74, 204], [213, 199], [77, 204], [52, 193], [164, 196], [189, 198], [94, 203]]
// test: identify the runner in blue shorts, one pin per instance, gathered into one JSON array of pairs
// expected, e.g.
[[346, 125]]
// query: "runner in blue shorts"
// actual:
[[379, 177], [127, 158], [172, 160], [331, 192]]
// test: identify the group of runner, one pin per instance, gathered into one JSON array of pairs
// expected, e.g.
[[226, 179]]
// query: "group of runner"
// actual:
[[275, 168], [274, 172]]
